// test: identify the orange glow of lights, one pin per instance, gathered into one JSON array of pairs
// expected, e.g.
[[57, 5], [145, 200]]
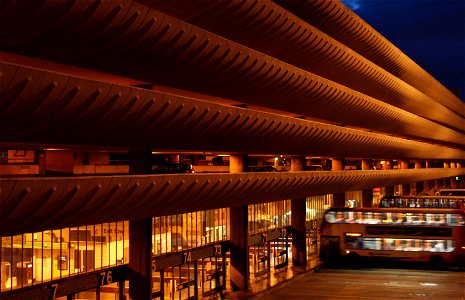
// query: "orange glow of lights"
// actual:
[[353, 234]]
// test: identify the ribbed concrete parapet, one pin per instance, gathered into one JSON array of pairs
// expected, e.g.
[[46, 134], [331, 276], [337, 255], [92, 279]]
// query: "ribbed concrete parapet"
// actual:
[[34, 204]]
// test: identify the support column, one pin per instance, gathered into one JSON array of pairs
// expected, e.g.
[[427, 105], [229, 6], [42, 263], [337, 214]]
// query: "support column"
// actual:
[[387, 165], [437, 185], [239, 234], [298, 212], [453, 182], [367, 194], [388, 190], [429, 184], [366, 164], [446, 181], [461, 179], [40, 154], [339, 199], [140, 162], [237, 163], [419, 186], [406, 186], [140, 259], [140, 237]]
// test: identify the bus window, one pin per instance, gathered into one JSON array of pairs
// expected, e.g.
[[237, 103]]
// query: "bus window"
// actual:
[[372, 243], [456, 220], [389, 244], [330, 217], [416, 245], [439, 246], [423, 201]]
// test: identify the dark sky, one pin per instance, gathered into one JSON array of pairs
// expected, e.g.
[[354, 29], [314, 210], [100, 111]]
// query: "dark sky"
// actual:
[[431, 32]]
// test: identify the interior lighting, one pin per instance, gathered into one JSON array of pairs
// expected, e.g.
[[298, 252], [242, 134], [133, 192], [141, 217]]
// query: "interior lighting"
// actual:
[[428, 284], [353, 234]]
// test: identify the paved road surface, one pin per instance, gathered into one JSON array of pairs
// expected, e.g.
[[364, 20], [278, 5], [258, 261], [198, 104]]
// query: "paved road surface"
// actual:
[[371, 283]]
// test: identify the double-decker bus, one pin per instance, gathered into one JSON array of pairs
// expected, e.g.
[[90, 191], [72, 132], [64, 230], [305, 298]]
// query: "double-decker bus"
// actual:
[[405, 234], [423, 201]]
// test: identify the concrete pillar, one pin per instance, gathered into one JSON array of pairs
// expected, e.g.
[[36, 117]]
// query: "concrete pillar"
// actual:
[[445, 185], [404, 164], [443, 182], [437, 184], [388, 190], [140, 237], [337, 164], [140, 162], [140, 259], [446, 180], [41, 157], [428, 185], [237, 163], [387, 165], [366, 164], [419, 186], [339, 199], [367, 198], [405, 190], [297, 163], [453, 182], [239, 249], [239, 234], [367, 195], [298, 210]]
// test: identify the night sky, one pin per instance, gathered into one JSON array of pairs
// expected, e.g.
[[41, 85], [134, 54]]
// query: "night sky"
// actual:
[[431, 32]]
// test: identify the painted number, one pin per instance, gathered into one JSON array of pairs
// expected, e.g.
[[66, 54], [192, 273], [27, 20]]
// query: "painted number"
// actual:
[[106, 278], [187, 257], [217, 250], [54, 288]]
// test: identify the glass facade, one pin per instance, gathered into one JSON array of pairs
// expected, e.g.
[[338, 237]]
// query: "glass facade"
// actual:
[[315, 210], [186, 231], [316, 207], [39, 257], [265, 217], [174, 237]]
